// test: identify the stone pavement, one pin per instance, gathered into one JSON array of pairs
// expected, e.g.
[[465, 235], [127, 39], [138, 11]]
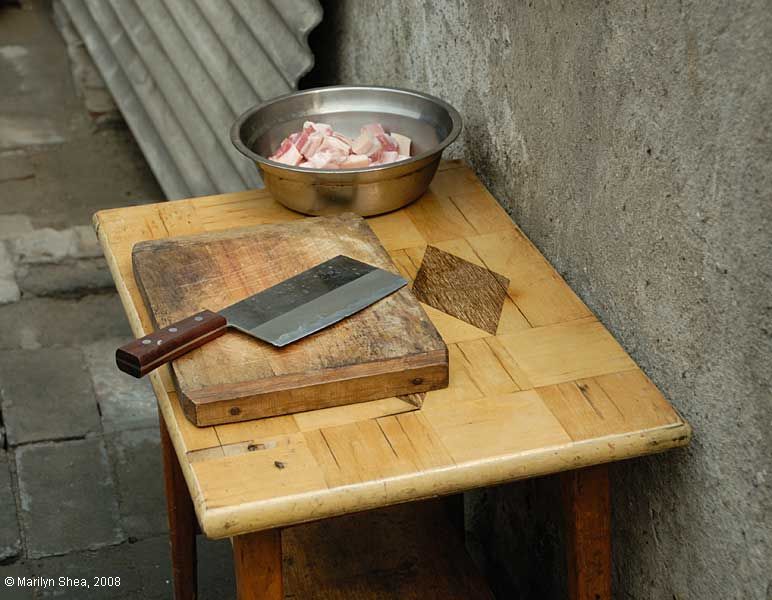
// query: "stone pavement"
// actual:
[[81, 490]]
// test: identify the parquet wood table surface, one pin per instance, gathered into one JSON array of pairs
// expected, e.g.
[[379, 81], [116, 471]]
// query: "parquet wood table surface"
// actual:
[[537, 384]]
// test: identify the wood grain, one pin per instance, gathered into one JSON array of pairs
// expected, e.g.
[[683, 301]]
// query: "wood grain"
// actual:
[[388, 349], [461, 288], [257, 564], [566, 352], [535, 287], [140, 356], [587, 508], [514, 407], [182, 523], [406, 552]]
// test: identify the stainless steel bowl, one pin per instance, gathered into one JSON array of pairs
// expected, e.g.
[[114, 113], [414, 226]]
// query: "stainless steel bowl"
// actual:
[[431, 123]]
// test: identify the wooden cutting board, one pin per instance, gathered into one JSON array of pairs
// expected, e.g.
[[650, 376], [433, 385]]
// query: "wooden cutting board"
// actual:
[[390, 348]]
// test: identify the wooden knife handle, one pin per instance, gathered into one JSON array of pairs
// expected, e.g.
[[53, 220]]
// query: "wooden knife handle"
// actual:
[[141, 356]]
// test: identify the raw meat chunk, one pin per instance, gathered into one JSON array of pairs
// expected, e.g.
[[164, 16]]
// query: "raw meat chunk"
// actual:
[[317, 146], [355, 161], [334, 144], [363, 143], [375, 151], [327, 159], [323, 128], [374, 129], [287, 154], [403, 142], [313, 142], [342, 138], [388, 156], [387, 142]]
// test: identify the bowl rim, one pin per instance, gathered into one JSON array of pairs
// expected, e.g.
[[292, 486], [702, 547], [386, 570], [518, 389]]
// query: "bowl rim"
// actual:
[[235, 133]]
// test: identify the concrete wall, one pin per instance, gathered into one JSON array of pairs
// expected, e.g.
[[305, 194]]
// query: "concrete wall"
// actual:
[[631, 142]]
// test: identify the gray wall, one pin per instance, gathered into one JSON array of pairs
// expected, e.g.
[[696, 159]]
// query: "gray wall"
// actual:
[[631, 142]]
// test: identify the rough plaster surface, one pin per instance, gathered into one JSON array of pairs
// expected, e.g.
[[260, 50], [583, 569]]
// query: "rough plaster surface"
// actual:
[[632, 143]]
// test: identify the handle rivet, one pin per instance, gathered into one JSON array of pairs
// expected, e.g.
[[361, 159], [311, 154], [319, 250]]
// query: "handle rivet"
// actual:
[[198, 318], [235, 411], [418, 381], [172, 330], [146, 342], [159, 342]]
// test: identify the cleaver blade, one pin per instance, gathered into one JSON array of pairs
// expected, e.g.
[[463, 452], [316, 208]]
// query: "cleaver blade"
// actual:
[[312, 300], [279, 315]]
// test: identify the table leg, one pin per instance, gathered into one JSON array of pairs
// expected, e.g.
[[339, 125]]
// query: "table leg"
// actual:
[[587, 505], [182, 522], [454, 507], [257, 562]]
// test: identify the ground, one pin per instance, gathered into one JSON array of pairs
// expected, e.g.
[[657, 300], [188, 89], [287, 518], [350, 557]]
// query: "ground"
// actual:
[[81, 490]]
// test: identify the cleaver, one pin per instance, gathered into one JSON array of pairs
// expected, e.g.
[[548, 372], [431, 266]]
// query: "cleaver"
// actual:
[[279, 315]]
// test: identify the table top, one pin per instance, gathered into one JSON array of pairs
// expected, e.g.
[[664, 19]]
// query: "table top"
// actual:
[[537, 384]]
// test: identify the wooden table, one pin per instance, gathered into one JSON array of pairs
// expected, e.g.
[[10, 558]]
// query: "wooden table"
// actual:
[[537, 386]]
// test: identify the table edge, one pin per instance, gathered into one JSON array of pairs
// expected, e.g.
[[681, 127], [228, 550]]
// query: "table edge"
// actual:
[[220, 522]]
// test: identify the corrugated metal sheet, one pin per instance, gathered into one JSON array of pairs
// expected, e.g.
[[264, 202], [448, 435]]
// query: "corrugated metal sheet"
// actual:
[[182, 70]]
